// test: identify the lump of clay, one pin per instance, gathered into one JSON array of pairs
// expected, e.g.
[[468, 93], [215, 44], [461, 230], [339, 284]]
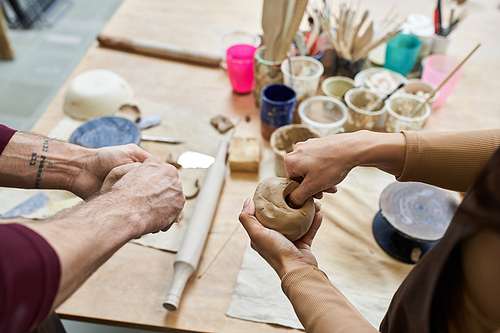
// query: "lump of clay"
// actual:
[[273, 211]]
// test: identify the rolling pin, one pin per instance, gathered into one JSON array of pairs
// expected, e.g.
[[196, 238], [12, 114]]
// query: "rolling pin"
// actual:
[[188, 256], [157, 49]]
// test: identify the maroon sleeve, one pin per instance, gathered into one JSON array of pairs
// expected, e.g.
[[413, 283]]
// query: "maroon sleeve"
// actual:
[[29, 278], [5, 135]]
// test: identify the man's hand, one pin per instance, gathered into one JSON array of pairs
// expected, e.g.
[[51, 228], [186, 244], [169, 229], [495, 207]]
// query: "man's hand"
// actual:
[[98, 163], [151, 193], [276, 249]]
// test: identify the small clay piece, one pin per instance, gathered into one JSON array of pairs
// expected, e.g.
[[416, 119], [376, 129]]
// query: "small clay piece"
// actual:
[[192, 196], [273, 211], [221, 123], [130, 112], [248, 118], [244, 154], [170, 160]]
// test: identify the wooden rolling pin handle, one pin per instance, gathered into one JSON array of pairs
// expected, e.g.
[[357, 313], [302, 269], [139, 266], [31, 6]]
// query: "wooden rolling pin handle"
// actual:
[[157, 49], [182, 272]]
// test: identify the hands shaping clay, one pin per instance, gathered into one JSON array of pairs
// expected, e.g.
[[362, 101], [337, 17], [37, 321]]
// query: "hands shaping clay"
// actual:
[[273, 212]]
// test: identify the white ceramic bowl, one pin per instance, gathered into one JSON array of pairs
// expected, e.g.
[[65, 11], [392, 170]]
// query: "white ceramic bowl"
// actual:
[[96, 93]]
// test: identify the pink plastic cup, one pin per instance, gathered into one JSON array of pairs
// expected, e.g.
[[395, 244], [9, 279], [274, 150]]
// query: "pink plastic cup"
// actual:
[[239, 59], [437, 67]]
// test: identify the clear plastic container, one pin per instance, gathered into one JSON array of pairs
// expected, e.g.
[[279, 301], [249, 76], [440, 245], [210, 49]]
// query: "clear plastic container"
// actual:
[[358, 100], [326, 115], [400, 108], [302, 74]]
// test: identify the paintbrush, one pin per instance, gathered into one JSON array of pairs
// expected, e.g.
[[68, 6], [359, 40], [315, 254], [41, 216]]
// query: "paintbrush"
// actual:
[[383, 99], [417, 109]]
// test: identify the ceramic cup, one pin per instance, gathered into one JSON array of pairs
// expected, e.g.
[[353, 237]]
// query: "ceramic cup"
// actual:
[[337, 86], [402, 52], [277, 108], [265, 73]]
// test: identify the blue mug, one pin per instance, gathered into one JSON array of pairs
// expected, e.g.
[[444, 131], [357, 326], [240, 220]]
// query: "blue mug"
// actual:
[[276, 107]]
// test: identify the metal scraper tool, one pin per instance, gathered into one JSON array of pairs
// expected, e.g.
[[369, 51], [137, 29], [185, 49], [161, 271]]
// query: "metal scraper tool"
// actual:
[[192, 159]]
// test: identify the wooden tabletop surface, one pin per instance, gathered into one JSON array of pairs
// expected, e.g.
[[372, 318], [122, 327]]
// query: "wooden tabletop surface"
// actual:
[[129, 289]]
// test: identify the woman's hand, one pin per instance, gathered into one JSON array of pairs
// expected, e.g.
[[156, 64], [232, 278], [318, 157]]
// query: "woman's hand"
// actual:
[[320, 164], [276, 249]]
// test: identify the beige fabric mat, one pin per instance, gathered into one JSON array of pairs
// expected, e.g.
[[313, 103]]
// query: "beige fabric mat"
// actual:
[[346, 250]]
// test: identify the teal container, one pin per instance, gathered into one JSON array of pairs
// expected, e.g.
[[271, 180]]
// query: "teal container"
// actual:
[[402, 52]]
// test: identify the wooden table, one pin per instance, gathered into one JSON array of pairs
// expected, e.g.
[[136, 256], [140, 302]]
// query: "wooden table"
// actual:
[[129, 289]]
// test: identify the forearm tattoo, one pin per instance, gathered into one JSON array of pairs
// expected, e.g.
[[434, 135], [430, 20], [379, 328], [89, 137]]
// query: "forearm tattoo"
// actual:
[[34, 158]]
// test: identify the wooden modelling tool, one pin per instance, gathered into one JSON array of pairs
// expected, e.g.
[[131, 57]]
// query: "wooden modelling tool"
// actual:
[[157, 49], [188, 256]]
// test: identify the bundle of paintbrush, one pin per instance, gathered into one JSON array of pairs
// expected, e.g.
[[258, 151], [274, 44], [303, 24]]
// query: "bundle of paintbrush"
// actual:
[[280, 22], [453, 22], [353, 38]]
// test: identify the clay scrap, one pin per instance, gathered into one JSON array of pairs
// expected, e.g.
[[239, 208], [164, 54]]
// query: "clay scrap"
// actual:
[[221, 123]]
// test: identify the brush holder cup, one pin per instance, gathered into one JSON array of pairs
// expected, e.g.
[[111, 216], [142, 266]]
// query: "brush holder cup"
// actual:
[[265, 73]]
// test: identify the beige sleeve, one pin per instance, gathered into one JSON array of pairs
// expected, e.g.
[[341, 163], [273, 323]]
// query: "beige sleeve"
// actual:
[[320, 306], [450, 160]]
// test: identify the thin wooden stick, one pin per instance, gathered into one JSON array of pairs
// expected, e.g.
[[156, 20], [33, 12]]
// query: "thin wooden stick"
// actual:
[[442, 83], [228, 238]]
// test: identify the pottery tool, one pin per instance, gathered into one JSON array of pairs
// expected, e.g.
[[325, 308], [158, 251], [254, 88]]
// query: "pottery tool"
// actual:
[[438, 27], [373, 105], [6, 50], [188, 256], [452, 12], [228, 238], [157, 49], [417, 109], [412, 218], [348, 41], [455, 23], [272, 23], [30, 205], [194, 160], [160, 139], [149, 121], [286, 36]]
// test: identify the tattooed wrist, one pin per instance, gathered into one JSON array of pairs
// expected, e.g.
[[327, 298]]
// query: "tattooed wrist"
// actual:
[[45, 149]]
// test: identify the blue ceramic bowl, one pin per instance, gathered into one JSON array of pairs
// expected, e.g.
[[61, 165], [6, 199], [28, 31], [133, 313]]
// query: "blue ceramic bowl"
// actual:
[[105, 132]]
